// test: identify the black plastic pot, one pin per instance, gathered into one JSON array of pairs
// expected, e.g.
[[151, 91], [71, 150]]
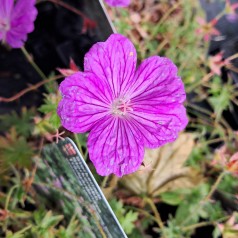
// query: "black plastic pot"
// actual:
[[227, 42]]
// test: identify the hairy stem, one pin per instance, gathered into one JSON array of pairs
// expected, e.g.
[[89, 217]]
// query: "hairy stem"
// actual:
[[205, 223], [31, 61], [104, 182], [214, 187], [31, 88], [155, 211]]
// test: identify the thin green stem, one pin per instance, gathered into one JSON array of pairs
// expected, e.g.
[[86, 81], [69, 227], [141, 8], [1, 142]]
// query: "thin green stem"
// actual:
[[78, 144], [205, 199], [205, 223], [9, 196], [31, 61], [197, 225], [142, 211], [214, 187], [156, 213], [208, 142], [104, 182], [23, 230]]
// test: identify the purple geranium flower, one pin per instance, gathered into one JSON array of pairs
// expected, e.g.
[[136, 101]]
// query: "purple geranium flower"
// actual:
[[230, 10], [118, 3], [124, 109], [16, 20]]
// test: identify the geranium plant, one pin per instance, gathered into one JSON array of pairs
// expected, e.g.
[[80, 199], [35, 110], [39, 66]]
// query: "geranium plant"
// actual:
[[153, 115]]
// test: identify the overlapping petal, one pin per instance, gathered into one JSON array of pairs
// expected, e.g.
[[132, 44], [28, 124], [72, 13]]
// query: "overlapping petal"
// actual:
[[84, 102], [157, 96], [118, 3], [6, 8], [5, 12], [114, 147], [113, 62]]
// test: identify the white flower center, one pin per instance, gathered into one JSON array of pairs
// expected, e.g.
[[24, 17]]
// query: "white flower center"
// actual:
[[120, 107], [4, 25]]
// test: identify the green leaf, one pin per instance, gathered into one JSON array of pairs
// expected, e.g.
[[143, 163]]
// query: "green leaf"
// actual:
[[18, 234], [211, 211], [72, 228], [50, 221], [49, 108], [22, 123], [172, 230], [55, 120], [216, 232], [52, 86], [188, 208], [228, 184], [117, 206], [15, 150], [14, 235], [220, 102], [197, 157], [126, 218], [122, 26], [46, 223], [127, 222], [172, 198]]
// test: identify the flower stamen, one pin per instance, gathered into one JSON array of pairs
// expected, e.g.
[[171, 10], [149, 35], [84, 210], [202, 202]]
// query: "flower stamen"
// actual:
[[120, 107], [4, 26]]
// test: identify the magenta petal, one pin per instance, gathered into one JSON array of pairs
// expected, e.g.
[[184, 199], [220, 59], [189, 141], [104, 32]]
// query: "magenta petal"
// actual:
[[162, 127], [5, 13], [158, 76], [124, 110], [113, 61], [232, 17], [24, 10], [21, 21], [118, 3], [15, 40], [83, 104], [6, 8], [114, 148], [157, 97]]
